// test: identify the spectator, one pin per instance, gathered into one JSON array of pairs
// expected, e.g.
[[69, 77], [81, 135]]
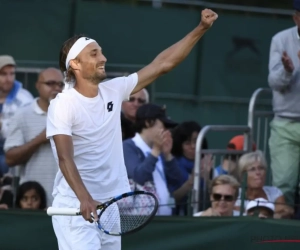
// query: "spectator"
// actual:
[[128, 113], [284, 80], [229, 163], [260, 207], [184, 146], [26, 142], [136, 100], [254, 164], [148, 157], [223, 195], [31, 195], [12, 97]]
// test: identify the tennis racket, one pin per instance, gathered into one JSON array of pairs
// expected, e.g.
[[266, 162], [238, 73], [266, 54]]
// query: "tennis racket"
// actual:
[[123, 214]]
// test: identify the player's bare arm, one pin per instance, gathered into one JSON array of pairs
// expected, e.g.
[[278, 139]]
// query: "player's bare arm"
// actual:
[[65, 152], [174, 55]]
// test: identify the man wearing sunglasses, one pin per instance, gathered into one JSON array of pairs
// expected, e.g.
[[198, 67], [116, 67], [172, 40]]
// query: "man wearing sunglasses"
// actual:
[[135, 101], [26, 142]]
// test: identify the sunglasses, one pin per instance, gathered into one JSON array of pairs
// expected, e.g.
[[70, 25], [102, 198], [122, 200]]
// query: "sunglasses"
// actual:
[[139, 100], [218, 197], [54, 83]]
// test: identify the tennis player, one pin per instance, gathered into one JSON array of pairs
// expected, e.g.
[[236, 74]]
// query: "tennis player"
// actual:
[[84, 130]]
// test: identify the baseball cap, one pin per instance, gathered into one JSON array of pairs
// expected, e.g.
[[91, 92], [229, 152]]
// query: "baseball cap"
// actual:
[[237, 143], [153, 111], [296, 5], [260, 202], [6, 60]]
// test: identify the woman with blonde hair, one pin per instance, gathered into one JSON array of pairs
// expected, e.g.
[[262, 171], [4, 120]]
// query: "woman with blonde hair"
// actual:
[[255, 165], [223, 194]]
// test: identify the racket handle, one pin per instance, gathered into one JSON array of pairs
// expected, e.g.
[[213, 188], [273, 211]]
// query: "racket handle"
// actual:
[[62, 211]]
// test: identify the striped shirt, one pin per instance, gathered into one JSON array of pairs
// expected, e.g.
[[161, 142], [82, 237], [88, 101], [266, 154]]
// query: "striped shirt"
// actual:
[[25, 125]]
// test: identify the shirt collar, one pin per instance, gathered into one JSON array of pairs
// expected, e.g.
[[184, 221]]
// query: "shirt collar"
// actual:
[[141, 143], [37, 108]]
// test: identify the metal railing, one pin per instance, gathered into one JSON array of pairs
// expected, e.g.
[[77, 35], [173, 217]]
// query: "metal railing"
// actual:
[[199, 152], [260, 114], [232, 7]]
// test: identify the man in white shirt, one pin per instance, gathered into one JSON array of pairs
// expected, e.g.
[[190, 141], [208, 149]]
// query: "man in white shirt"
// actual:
[[85, 133], [26, 143]]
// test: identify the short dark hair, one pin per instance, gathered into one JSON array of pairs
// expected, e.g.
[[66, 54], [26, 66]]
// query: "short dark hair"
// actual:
[[26, 186], [141, 124], [183, 132], [67, 45]]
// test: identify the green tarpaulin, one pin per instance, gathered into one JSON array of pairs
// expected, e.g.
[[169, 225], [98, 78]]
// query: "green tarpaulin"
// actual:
[[33, 231]]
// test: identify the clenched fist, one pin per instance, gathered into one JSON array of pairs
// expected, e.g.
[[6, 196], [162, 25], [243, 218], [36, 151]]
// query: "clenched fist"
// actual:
[[207, 18]]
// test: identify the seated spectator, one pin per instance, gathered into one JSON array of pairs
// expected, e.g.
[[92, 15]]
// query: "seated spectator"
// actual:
[[260, 207], [31, 195], [184, 146], [255, 165], [230, 161], [148, 157], [128, 113], [12, 97], [223, 195], [135, 101], [26, 143]]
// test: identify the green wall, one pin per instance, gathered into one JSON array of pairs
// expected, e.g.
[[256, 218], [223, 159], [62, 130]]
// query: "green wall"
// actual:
[[213, 85], [33, 231]]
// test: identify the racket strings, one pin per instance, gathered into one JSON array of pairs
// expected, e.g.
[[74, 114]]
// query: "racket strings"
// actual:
[[128, 213]]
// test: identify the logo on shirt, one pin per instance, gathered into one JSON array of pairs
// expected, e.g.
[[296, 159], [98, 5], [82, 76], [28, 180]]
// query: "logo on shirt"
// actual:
[[87, 38], [110, 106]]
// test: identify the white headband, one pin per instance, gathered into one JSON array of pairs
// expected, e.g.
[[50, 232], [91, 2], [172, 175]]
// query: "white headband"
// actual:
[[77, 47]]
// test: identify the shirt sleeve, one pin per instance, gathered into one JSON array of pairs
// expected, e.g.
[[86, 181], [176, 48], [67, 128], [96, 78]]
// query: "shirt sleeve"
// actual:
[[15, 136], [123, 85], [139, 168], [273, 193], [130, 83], [59, 117], [279, 79]]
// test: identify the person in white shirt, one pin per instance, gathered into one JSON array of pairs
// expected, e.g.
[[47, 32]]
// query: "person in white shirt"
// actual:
[[255, 165], [84, 129], [26, 144]]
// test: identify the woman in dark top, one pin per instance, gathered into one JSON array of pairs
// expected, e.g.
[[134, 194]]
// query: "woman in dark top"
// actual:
[[184, 147]]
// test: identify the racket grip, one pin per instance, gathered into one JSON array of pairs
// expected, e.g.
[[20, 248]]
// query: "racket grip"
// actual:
[[62, 211]]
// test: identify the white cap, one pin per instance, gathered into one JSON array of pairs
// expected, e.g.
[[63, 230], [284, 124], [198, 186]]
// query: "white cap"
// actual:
[[260, 202]]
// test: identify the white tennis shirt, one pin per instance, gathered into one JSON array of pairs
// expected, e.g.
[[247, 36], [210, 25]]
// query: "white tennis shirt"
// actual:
[[95, 127]]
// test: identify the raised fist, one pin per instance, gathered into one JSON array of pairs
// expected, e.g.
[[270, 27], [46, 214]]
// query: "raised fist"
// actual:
[[207, 18]]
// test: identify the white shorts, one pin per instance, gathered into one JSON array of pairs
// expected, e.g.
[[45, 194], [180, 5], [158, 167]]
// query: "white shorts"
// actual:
[[74, 233]]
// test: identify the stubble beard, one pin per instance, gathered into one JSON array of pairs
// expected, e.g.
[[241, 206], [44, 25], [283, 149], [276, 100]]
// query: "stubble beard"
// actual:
[[97, 78]]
